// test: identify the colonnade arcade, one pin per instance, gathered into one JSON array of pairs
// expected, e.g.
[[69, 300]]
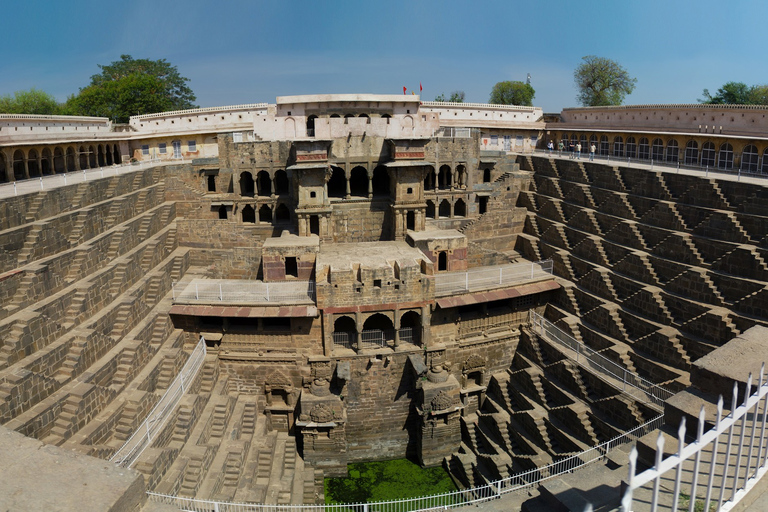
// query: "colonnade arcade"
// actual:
[[380, 329], [19, 163], [720, 153]]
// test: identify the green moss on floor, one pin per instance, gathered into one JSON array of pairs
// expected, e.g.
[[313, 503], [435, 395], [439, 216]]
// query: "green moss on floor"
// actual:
[[386, 480]]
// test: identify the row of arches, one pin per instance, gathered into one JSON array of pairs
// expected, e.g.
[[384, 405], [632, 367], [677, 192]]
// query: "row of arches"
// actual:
[[34, 162], [708, 154], [446, 178], [377, 330], [264, 214], [446, 209], [359, 183], [264, 185]]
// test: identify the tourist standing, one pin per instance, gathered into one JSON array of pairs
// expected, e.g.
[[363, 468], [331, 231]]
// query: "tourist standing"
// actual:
[[560, 147], [578, 151], [550, 147], [592, 152]]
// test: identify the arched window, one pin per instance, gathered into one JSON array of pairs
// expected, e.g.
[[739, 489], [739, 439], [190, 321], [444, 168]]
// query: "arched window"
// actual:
[[344, 331], [116, 154], [708, 155], [378, 330], [583, 142], [460, 208], [618, 146], [445, 208], [248, 214], [673, 151], [725, 159], [486, 175], [381, 182], [643, 151], [58, 161], [281, 182], [335, 116], [461, 173], [282, 214], [631, 147], [246, 184], [430, 209], [337, 185], [593, 140], [264, 183], [311, 126], [749, 158], [444, 177], [657, 150], [764, 167], [100, 155], [222, 212], [108, 154], [358, 182], [604, 148], [265, 213], [691, 153]]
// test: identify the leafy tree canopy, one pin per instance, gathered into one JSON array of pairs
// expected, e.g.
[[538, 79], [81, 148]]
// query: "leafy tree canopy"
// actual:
[[455, 97], [737, 93], [602, 81], [33, 101], [512, 93], [133, 86]]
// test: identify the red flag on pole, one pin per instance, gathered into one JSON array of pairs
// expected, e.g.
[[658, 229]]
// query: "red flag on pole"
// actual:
[[404, 89], [420, 88]]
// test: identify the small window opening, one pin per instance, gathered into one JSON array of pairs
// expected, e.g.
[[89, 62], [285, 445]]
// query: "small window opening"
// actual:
[[291, 267], [211, 183], [377, 283]]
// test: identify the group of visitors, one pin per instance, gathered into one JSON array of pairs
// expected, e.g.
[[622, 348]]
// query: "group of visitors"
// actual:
[[575, 150]]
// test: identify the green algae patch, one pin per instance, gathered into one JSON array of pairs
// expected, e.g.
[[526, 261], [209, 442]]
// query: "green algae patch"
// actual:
[[386, 480]]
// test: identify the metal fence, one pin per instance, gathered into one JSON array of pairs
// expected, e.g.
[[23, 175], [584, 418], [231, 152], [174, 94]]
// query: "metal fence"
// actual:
[[375, 338], [639, 388], [242, 291], [662, 163], [717, 469], [486, 278], [127, 454], [445, 501]]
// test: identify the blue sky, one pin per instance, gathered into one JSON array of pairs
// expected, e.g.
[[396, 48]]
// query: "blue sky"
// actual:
[[238, 51]]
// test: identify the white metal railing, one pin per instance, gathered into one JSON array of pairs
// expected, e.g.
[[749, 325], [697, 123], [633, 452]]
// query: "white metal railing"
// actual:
[[445, 501], [127, 454], [641, 389], [453, 133], [242, 291], [486, 278], [718, 468]]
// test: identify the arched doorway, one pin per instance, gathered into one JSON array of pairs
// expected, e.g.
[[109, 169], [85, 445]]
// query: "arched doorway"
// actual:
[[311, 126], [442, 261], [380, 183], [264, 184], [430, 209], [691, 153], [460, 208], [358, 182], [100, 155], [246, 184], [265, 213], [410, 220], [282, 214], [445, 208], [83, 154], [33, 161], [344, 331], [19, 171], [378, 331], [222, 212], [248, 214], [58, 161], [337, 185], [92, 157], [444, 177], [430, 180], [71, 159], [410, 327], [281, 182], [46, 162]]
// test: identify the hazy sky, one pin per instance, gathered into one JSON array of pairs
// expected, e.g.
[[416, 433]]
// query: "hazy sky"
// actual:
[[238, 51]]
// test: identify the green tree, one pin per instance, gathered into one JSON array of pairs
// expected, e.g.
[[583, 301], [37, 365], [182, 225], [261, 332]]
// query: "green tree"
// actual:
[[602, 81], [33, 101], [512, 93], [455, 97], [737, 93], [731, 93], [133, 86]]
